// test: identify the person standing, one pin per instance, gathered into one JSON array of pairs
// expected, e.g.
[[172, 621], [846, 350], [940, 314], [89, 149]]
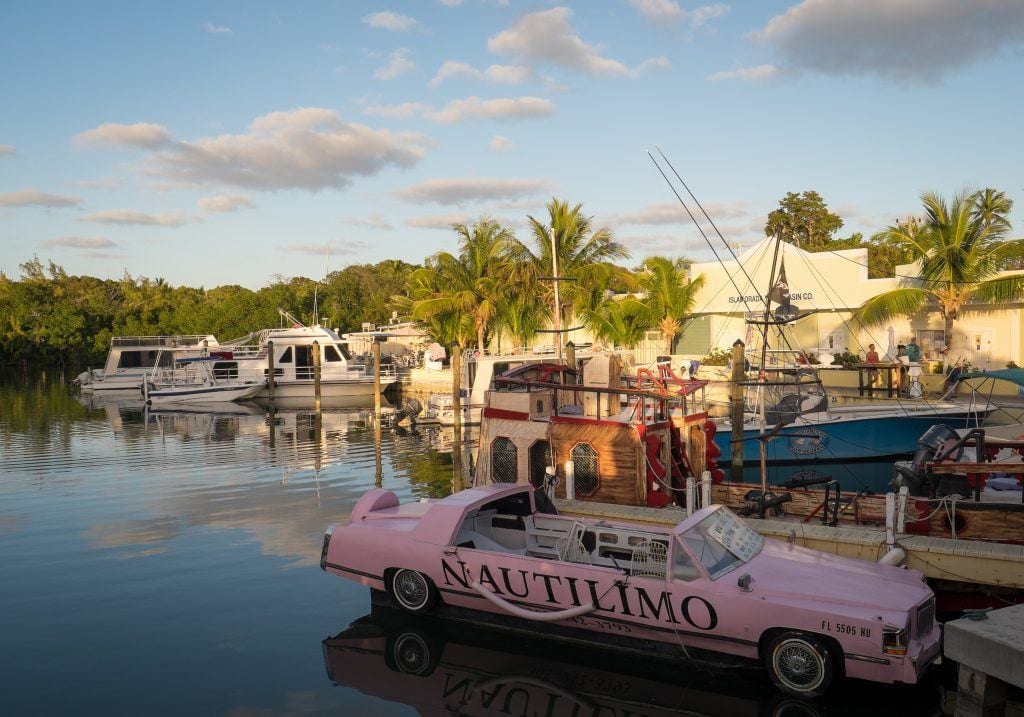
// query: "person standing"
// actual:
[[913, 351], [872, 359]]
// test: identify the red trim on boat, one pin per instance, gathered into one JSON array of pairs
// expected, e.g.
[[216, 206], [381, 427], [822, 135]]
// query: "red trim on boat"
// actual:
[[505, 413]]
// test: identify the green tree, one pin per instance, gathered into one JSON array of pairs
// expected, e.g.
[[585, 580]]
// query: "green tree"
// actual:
[[467, 285], [618, 320], [669, 293], [584, 255], [803, 219], [961, 253]]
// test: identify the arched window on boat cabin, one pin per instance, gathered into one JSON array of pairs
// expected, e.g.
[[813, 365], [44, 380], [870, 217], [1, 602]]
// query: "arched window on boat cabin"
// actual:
[[540, 459], [504, 460], [588, 478]]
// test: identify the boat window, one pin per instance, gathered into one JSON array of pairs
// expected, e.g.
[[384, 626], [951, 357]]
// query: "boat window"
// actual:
[[504, 460], [165, 360], [721, 542], [588, 479], [540, 459], [331, 354], [682, 565], [286, 357], [137, 359], [303, 356], [225, 369]]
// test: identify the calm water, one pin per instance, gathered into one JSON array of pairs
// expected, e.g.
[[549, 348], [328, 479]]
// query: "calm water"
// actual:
[[167, 564]]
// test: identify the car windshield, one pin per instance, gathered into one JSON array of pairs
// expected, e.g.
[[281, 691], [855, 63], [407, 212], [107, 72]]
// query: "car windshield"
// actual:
[[721, 542]]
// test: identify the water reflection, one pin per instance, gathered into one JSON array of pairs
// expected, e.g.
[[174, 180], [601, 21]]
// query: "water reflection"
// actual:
[[439, 666]]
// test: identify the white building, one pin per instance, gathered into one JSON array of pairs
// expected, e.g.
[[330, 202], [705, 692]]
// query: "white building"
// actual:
[[834, 284]]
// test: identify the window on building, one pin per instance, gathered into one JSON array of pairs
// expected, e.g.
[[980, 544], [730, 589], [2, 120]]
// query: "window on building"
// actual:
[[504, 460], [932, 341], [584, 458], [540, 459]]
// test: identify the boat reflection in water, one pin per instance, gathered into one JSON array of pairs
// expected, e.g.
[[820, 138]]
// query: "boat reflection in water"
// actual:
[[445, 667]]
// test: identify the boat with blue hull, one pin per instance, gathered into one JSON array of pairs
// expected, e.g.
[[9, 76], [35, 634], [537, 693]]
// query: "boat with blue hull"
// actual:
[[854, 434]]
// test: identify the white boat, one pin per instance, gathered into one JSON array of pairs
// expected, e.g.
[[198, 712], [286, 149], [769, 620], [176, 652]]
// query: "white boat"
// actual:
[[131, 358], [192, 380], [293, 356]]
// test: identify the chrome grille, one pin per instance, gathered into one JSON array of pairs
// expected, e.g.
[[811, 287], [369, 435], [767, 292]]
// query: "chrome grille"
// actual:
[[924, 621]]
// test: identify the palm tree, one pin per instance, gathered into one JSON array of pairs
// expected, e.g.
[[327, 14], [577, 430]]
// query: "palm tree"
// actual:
[[468, 285], [670, 293], [583, 254], [960, 248], [618, 321], [992, 208]]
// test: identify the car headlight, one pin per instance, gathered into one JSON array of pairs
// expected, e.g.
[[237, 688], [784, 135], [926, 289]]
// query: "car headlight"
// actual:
[[894, 640]]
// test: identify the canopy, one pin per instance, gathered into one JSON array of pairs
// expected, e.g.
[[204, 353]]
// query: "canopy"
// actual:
[[1013, 375]]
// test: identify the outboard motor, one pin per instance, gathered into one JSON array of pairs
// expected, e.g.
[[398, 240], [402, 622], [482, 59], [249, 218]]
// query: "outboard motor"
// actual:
[[410, 408], [913, 473]]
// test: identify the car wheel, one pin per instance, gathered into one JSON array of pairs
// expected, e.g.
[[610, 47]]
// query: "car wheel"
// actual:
[[799, 664], [413, 591]]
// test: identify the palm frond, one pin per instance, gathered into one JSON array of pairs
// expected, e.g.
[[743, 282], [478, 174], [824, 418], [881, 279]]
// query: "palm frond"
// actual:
[[887, 306]]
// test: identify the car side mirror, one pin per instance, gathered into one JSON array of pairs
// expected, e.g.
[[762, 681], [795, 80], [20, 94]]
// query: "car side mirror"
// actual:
[[744, 582]]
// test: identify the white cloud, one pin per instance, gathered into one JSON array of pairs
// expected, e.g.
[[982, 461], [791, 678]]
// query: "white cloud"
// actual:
[[461, 191], [340, 246], [758, 73], [451, 3], [501, 143], [80, 242], [664, 213], [547, 36], [398, 65], [35, 198], [130, 217], [7, 150], [309, 148], [400, 111], [438, 221], [917, 40], [392, 21], [216, 29], [373, 221], [141, 134], [494, 74], [224, 202], [669, 11], [500, 109]]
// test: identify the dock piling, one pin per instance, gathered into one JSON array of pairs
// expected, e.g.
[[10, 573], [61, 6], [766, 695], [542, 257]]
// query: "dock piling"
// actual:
[[457, 387], [739, 375], [705, 489], [316, 374], [570, 355], [570, 480], [270, 373], [376, 378]]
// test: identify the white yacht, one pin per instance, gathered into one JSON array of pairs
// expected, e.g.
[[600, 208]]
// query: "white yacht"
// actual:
[[132, 357], [340, 376]]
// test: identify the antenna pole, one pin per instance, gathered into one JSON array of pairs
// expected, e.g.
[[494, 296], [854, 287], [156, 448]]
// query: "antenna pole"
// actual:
[[558, 299]]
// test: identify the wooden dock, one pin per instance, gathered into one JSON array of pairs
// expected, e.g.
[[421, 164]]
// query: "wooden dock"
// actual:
[[991, 656], [961, 561]]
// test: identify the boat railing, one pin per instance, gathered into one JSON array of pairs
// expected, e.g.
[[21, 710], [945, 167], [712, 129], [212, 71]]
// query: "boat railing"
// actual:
[[330, 371], [163, 341], [188, 375]]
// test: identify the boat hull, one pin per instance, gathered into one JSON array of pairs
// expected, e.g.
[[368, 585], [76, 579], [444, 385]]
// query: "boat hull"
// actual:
[[868, 437], [203, 394], [356, 388]]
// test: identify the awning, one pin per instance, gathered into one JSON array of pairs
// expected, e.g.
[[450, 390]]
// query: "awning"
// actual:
[[1013, 375]]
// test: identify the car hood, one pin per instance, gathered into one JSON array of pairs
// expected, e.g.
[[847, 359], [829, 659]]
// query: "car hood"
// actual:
[[791, 573]]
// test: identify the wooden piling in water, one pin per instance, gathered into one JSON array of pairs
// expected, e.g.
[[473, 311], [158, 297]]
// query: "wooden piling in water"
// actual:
[[737, 378], [570, 355], [270, 373], [376, 377], [457, 386], [316, 374]]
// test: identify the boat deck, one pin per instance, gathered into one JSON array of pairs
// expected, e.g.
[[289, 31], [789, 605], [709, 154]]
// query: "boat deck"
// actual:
[[962, 561]]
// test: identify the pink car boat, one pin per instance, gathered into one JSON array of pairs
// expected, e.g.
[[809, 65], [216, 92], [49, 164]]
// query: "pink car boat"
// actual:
[[710, 583]]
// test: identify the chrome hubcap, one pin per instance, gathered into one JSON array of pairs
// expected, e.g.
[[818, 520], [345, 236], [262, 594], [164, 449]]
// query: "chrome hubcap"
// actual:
[[410, 588], [798, 665]]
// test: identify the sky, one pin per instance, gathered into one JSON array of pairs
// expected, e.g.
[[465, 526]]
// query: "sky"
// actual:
[[227, 142]]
